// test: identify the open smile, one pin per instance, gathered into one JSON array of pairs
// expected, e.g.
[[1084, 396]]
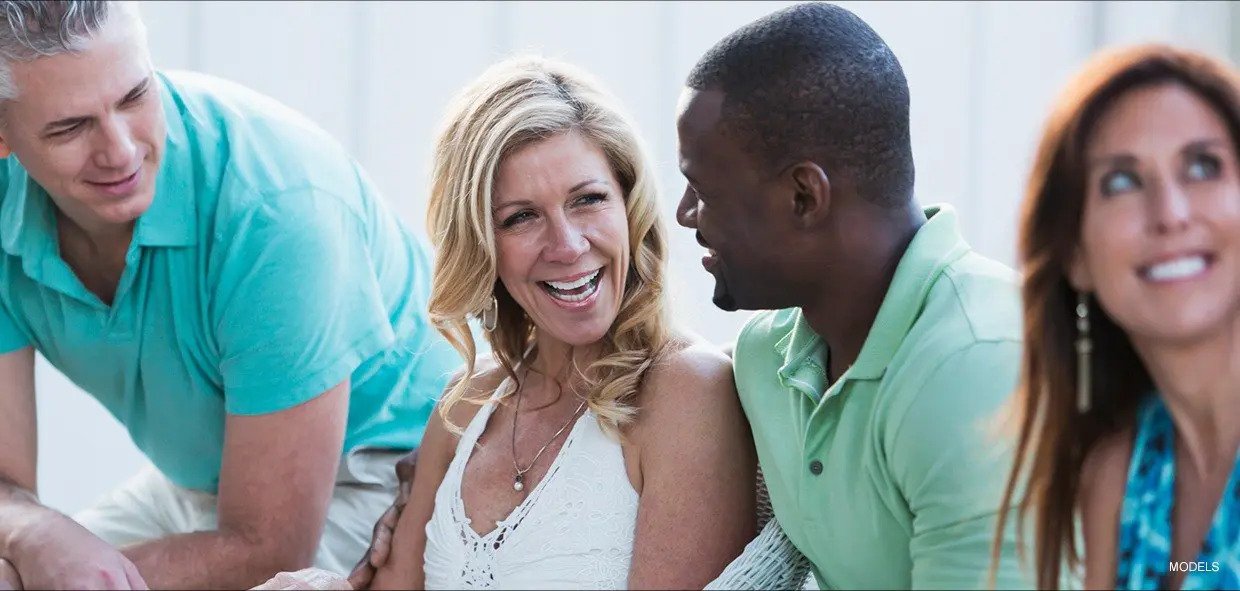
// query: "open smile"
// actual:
[[574, 290]]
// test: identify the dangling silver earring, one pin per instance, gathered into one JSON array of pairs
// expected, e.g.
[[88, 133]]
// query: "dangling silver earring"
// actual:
[[1084, 348], [490, 316]]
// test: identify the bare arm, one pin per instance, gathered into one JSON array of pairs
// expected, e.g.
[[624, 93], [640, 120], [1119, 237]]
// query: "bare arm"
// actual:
[[47, 548], [1100, 499], [275, 486], [697, 473], [18, 439], [404, 566]]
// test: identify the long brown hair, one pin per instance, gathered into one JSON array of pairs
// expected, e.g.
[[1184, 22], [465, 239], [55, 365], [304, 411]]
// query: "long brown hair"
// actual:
[[1054, 437]]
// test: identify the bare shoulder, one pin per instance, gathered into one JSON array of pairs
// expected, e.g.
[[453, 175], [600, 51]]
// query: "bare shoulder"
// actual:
[[1105, 470], [487, 376], [686, 376], [1099, 501]]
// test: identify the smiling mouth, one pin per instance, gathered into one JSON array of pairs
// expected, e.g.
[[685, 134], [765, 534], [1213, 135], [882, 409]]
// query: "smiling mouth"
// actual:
[[576, 290], [116, 182], [1177, 269]]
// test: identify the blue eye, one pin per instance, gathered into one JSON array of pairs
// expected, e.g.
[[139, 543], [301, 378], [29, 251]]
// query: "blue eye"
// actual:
[[1203, 167], [591, 198], [1119, 181]]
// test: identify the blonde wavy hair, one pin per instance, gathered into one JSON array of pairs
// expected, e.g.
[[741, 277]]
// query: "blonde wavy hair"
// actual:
[[514, 103]]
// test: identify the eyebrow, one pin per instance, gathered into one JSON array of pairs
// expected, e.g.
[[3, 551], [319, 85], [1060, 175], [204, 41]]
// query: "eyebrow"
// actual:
[[74, 120], [1200, 145], [576, 187], [1128, 160], [1113, 161]]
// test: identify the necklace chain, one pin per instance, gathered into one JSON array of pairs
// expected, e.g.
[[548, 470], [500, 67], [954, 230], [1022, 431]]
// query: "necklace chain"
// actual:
[[518, 481]]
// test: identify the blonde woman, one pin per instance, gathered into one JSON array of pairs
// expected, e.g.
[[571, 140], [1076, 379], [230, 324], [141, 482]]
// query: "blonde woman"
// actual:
[[596, 447], [600, 449]]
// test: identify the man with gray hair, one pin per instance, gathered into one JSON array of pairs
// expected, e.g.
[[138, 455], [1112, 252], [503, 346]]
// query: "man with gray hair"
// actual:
[[225, 280]]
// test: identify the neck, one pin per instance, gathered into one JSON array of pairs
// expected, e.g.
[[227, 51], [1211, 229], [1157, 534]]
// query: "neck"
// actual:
[[558, 360], [863, 256], [1200, 384], [98, 237]]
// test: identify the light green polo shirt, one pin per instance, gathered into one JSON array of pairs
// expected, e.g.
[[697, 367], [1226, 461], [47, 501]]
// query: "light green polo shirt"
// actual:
[[267, 270], [889, 478]]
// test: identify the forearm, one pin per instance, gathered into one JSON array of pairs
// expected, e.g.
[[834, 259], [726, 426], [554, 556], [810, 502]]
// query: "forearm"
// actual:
[[20, 511], [404, 569], [211, 560]]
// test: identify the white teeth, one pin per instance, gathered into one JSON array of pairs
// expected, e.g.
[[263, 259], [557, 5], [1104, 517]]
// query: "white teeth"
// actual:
[[1177, 269], [575, 297], [571, 285]]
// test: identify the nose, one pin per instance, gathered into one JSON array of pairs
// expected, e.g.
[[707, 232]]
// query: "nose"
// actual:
[[114, 147], [1170, 208], [566, 241], [687, 209]]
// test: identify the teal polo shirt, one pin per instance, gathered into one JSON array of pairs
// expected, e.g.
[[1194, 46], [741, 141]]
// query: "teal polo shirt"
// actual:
[[266, 271], [891, 477]]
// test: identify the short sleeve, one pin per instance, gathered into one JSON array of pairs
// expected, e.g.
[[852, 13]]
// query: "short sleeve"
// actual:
[[297, 306], [952, 464], [11, 337]]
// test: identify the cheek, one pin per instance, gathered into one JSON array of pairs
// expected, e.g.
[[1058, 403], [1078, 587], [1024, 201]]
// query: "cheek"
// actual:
[[1220, 204], [515, 256], [1112, 235], [60, 165], [151, 128]]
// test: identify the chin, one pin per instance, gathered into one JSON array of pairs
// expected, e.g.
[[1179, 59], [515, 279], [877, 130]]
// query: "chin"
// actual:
[[125, 210], [1186, 325], [578, 334]]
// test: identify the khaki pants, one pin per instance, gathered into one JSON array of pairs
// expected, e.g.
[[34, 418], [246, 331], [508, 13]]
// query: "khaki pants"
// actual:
[[149, 506]]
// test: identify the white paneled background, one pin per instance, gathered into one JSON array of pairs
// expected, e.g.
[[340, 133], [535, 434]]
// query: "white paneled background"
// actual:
[[377, 75]]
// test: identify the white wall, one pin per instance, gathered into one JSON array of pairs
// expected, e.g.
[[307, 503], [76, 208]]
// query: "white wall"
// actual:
[[378, 76]]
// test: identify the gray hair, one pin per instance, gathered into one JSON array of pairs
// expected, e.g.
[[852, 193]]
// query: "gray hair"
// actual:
[[40, 28]]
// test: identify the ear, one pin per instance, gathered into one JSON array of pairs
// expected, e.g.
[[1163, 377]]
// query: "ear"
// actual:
[[5, 150], [811, 193], [1079, 275]]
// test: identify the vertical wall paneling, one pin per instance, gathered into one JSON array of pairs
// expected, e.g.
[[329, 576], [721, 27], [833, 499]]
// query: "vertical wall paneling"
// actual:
[[1031, 49], [417, 55]]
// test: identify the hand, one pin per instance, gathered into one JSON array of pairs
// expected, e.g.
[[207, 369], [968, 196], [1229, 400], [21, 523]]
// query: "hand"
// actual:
[[307, 578], [9, 579], [57, 553], [381, 540]]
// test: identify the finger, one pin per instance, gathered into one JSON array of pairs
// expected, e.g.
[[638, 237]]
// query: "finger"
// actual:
[[112, 580], [404, 474], [388, 520], [133, 578], [362, 574], [402, 496], [381, 549], [10, 580]]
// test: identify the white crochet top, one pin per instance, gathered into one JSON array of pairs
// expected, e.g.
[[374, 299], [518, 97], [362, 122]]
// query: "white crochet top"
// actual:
[[574, 530]]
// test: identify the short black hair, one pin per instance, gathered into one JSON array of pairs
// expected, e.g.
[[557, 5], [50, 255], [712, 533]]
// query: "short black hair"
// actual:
[[814, 81]]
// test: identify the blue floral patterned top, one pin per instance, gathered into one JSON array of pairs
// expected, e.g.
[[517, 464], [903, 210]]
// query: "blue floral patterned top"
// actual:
[[1145, 520]]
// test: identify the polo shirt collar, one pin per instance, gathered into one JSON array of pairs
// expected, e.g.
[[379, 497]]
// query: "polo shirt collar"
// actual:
[[936, 245], [26, 214], [171, 219]]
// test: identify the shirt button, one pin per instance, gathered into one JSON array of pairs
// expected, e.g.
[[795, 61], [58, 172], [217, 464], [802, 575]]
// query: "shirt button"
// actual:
[[815, 467]]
